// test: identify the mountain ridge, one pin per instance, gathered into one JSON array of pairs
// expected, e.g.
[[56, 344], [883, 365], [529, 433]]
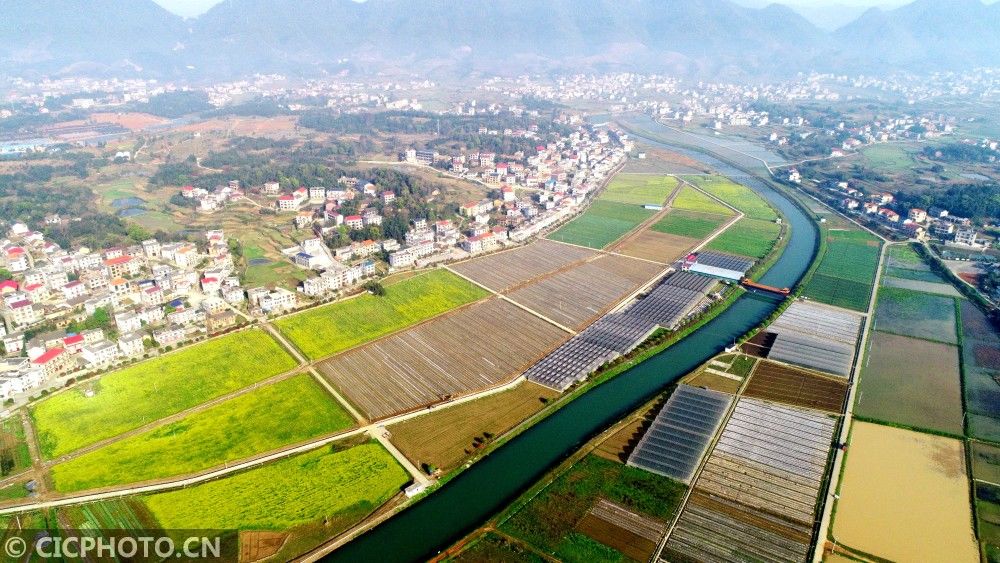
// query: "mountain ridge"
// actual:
[[697, 37]]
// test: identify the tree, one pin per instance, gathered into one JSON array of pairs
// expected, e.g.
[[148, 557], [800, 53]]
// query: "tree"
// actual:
[[375, 288], [5, 274]]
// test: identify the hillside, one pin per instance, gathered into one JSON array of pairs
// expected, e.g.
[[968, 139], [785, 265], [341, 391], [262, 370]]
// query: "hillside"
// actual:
[[697, 37]]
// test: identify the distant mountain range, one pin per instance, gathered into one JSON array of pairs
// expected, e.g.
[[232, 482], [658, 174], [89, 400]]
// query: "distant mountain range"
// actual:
[[461, 37]]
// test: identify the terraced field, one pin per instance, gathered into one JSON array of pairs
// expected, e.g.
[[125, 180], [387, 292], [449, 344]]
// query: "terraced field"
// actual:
[[145, 392], [333, 328], [469, 350]]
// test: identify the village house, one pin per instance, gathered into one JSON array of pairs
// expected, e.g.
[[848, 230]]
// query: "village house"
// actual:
[[53, 362], [169, 335], [485, 242], [131, 344], [100, 354]]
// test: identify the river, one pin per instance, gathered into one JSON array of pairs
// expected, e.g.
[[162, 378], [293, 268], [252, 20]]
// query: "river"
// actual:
[[489, 485]]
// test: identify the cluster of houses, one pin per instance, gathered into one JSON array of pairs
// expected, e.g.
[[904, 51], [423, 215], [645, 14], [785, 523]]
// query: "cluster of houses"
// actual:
[[531, 194], [146, 295], [917, 223], [211, 201]]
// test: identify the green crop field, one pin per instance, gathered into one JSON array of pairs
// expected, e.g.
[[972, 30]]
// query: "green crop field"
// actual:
[[639, 189], [921, 315], [603, 223], [889, 158], [336, 327], [14, 454], [689, 224], [287, 412], [748, 237], [148, 391], [690, 199], [548, 521], [740, 197], [846, 272], [904, 256], [496, 548], [339, 486]]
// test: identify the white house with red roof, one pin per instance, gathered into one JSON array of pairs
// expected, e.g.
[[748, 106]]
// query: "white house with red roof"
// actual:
[[287, 202], [210, 285], [73, 343], [354, 222], [53, 362]]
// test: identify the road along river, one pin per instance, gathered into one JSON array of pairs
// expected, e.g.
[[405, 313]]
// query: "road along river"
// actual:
[[488, 486]]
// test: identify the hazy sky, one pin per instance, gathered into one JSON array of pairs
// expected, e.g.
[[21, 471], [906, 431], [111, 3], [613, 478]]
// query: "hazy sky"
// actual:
[[191, 8]]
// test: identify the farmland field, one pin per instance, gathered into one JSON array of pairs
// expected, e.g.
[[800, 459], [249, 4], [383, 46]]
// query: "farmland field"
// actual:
[[980, 340], [846, 272], [931, 317], [785, 384], [889, 158], [740, 197], [116, 514], [444, 438], [341, 486], [494, 548], [333, 328], [504, 270], [287, 412], [549, 520], [494, 340], [14, 454], [723, 373], [753, 238], [985, 462], [689, 224], [139, 394], [601, 224], [690, 199], [936, 287], [639, 189], [905, 496], [656, 246], [904, 256], [577, 296], [911, 382], [912, 274]]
